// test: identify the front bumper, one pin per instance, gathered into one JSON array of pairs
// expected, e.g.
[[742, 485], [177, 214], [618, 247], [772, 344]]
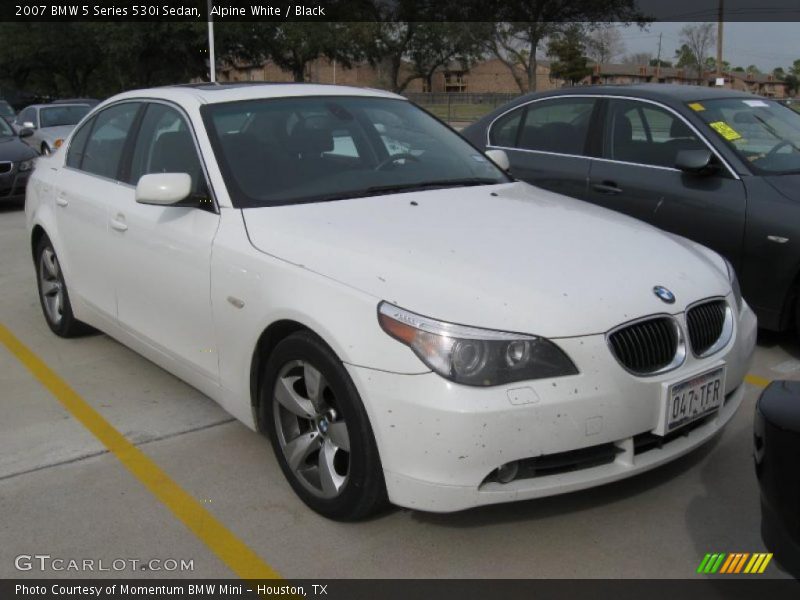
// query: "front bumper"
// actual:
[[439, 442], [12, 185]]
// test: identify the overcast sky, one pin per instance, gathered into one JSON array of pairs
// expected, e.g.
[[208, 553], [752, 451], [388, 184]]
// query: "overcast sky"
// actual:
[[766, 45]]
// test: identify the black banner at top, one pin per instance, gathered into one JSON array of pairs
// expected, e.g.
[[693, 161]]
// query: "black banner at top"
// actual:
[[400, 10]]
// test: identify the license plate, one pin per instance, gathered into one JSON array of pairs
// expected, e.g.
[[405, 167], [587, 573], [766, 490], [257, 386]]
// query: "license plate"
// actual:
[[694, 398]]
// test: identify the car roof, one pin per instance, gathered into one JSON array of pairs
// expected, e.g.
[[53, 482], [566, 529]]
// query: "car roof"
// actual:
[[59, 105], [212, 93], [664, 92]]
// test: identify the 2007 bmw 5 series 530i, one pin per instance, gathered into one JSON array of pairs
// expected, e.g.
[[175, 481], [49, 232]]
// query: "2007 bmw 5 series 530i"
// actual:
[[407, 323]]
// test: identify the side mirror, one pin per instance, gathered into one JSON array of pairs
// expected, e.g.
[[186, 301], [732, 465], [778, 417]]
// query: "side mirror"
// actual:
[[500, 158], [163, 189], [695, 161], [25, 132], [28, 125]]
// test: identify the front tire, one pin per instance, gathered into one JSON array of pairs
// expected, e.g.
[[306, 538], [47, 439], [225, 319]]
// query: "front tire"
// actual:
[[53, 295], [319, 430]]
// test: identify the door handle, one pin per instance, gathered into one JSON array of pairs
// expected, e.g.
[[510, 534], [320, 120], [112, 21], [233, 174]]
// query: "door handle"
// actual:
[[119, 223], [607, 187], [61, 200]]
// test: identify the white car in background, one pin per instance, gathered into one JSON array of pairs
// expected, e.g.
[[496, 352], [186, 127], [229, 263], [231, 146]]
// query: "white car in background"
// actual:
[[407, 326], [51, 124]]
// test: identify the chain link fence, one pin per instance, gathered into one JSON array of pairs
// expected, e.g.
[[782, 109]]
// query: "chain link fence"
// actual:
[[459, 107]]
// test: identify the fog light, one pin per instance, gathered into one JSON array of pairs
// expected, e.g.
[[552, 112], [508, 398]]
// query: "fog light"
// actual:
[[507, 472]]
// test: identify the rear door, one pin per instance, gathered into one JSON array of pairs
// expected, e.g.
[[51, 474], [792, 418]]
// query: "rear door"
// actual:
[[547, 142], [636, 175], [86, 190]]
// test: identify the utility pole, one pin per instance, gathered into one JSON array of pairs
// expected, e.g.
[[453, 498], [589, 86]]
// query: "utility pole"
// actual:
[[658, 60], [212, 67], [719, 39]]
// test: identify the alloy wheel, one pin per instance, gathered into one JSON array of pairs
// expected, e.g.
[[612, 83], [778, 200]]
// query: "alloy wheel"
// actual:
[[50, 286], [311, 433]]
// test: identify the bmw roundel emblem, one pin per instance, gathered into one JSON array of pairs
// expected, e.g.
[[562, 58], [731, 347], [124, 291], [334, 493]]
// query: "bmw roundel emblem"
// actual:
[[664, 294]]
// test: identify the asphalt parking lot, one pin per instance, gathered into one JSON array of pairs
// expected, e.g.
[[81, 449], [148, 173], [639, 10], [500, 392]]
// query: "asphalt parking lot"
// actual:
[[64, 494]]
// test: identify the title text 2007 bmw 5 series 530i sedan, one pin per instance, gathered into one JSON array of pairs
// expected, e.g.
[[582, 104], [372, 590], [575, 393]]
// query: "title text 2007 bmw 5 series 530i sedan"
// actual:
[[407, 323]]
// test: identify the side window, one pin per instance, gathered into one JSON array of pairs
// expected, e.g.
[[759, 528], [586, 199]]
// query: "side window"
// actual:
[[78, 144], [505, 129], [26, 115], [558, 125], [644, 133], [106, 141], [165, 145]]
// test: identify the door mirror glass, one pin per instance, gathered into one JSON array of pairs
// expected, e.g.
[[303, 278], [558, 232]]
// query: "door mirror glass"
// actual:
[[500, 158], [28, 125], [25, 132], [163, 189], [694, 161]]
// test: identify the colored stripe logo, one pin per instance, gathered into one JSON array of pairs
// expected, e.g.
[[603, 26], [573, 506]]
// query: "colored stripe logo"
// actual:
[[734, 563]]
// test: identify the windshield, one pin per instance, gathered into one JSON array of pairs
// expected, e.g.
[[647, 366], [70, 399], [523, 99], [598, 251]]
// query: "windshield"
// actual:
[[62, 115], [5, 109], [5, 128], [763, 132], [309, 149]]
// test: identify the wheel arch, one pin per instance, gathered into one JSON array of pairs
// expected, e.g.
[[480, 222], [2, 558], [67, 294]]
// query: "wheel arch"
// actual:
[[267, 341], [37, 234]]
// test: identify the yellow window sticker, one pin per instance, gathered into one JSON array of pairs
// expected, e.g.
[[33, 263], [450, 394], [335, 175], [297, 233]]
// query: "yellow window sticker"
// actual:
[[725, 130], [697, 107]]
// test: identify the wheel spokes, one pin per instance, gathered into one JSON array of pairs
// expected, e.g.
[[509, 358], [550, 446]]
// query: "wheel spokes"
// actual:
[[286, 395], [330, 481], [338, 435], [49, 287], [314, 386], [299, 449]]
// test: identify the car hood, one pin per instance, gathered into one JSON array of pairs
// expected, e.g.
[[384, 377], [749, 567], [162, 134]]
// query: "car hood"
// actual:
[[508, 257], [51, 133], [13, 149], [788, 185]]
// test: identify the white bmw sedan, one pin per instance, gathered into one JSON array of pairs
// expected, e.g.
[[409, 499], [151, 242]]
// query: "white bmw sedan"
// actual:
[[407, 323]]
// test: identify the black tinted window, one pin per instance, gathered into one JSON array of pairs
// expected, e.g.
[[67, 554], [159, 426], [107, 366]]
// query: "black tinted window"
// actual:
[[644, 133], [165, 145], [505, 129], [55, 116], [78, 144], [558, 125], [107, 139]]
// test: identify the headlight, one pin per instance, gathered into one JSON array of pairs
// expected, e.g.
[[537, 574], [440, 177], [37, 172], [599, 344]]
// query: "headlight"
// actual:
[[26, 165], [472, 356], [737, 291]]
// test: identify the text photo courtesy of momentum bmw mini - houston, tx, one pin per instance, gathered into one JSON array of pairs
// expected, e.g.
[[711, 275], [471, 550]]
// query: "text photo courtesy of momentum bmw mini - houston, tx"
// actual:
[[391, 298]]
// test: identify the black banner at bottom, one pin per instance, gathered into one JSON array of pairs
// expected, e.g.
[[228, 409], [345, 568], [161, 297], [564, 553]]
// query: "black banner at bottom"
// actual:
[[403, 589]]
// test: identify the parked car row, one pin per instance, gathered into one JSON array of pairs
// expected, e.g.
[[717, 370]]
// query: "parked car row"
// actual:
[[37, 129], [405, 320]]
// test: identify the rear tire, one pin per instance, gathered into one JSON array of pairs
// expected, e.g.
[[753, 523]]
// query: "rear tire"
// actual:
[[53, 295], [319, 430]]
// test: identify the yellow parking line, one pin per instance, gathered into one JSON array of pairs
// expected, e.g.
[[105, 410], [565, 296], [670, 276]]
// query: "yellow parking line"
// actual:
[[219, 539], [757, 381]]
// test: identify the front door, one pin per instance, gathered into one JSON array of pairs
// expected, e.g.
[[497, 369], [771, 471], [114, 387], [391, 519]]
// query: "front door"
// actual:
[[637, 176]]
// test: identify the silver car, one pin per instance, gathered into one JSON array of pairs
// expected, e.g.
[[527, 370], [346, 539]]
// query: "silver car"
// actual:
[[51, 124]]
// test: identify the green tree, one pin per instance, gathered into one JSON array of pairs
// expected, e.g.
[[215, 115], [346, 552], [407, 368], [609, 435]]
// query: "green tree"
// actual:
[[521, 29], [568, 49]]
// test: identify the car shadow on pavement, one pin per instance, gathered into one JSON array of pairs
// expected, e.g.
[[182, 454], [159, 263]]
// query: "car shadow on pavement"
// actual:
[[8, 207], [573, 502], [788, 341]]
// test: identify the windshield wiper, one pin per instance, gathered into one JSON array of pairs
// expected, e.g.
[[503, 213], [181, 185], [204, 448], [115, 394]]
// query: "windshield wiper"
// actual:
[[428, 185], [383, 190]]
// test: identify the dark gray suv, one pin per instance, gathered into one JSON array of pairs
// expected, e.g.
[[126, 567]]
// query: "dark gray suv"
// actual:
[[717, 166]]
